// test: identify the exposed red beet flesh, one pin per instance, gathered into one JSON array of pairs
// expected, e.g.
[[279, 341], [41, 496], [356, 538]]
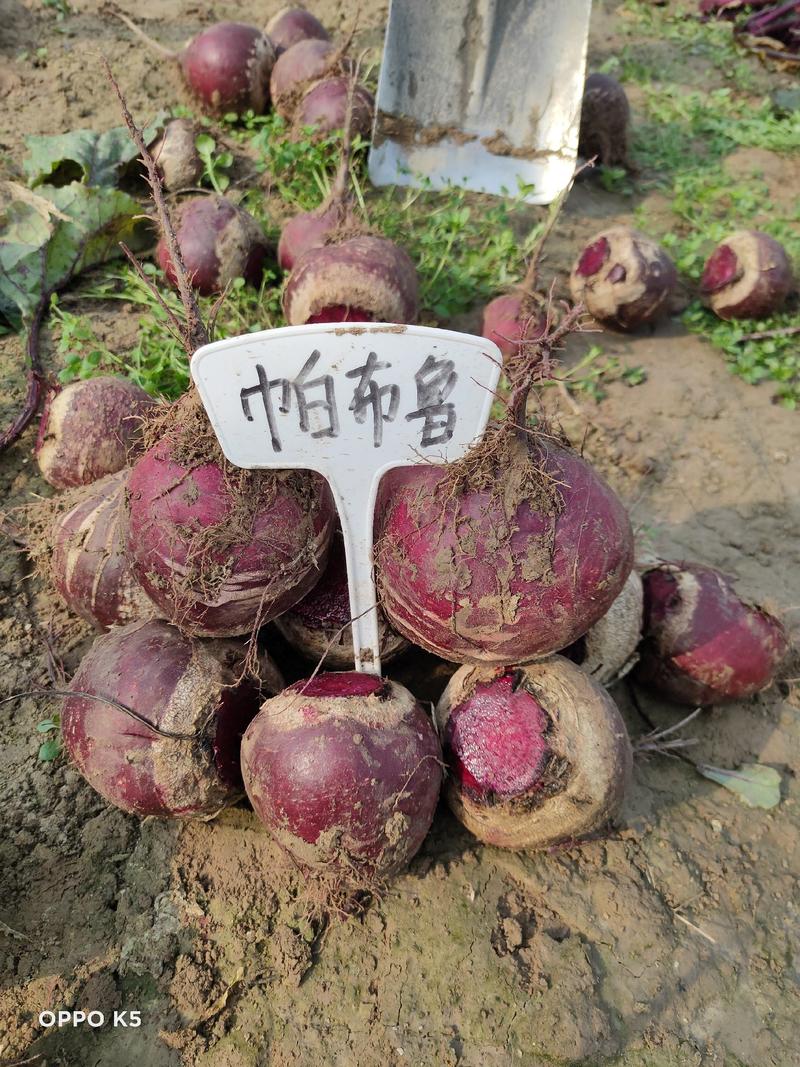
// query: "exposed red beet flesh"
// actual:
[[89, 429], [748, 276], [721, 269], [324, 106], [593, 258], [228, 67], [87, 559], [218, 560], [537, 754], [495, 740], [702, 643], [474, 578], [218, 241], [293, 24], [180, 685], [345, 773]]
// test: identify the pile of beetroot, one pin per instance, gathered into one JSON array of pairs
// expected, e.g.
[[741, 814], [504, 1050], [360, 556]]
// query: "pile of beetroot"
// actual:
[[516, 565]]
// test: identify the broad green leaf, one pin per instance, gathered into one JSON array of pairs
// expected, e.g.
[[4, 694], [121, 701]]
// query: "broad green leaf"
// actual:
[[85, 155], [50, 750], [758, 786], [49, 237]]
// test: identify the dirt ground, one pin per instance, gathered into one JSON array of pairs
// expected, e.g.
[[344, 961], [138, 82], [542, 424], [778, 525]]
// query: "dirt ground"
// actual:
[[671, 941]]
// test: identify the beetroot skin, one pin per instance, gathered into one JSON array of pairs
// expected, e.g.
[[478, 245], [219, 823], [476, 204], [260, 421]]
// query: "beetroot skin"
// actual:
[[536, 755], [494, 577], [305, 231], [324, 107], [293, 24], [179, 685], [88, 430], [319, 624], [217, 561], [87, 560], [298, 68], [702, 643], [748, 276], [176, 155], [624, 278], [228, 67], [218, 241], [506, 323], [344, 770], [369, 275]]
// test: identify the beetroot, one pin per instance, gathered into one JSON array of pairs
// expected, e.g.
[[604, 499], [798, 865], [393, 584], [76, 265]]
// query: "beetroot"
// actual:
[[370, 276], [624, 278], [702, 643], [605, 114], [87, 560], [509, 557], [219, 549], [607, 651], [298, 68], [196, 690], [344, 770], [226, 66], [510, 318], [88, 430], [318, 625], [537, 755], [293, 24], [311, 229], [176, 155], [218, 241], [324, 106], [747, 276]]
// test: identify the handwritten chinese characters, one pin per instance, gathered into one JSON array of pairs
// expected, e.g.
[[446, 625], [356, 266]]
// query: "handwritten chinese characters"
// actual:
[[372, 396]]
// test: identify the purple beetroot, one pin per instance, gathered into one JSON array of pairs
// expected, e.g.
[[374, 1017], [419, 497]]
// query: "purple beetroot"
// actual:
[[747, 276], [536, 755], [344, 770], [324, 106], [196, 692], [301, 66], [624, 279], [511, 318], [702, 643], [218, 241], [293, 24]]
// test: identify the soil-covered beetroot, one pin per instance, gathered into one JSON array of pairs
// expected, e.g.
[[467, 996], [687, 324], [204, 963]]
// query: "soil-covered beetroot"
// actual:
[[301, 66], [196, 689], [221, 550], [219, 241], [608, 650], [624, 278], [510, 318], [310, 229], [702, 643], [537, 755], [293, 24], [89, 429], [318, 625], [511, 561], [747, 276], [176, 155], [324, 106], [605, 114], [344, 770], [87, 561], [360, 279]]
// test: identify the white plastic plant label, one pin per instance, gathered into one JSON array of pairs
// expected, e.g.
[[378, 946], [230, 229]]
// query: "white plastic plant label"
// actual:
[[350, 401]]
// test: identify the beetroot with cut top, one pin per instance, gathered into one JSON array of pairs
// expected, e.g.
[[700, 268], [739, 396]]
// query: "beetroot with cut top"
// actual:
[[293, 24], [324, 106], [319, 624], [176, 156], [510, 318], [513, 559], [301, 66], [747, 276], [537, 755], [219, 242], [196, 689], [624, 278], [87, 559], [222, 551], [702, 643], [344, 770], [361, 279], [89, 429]]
